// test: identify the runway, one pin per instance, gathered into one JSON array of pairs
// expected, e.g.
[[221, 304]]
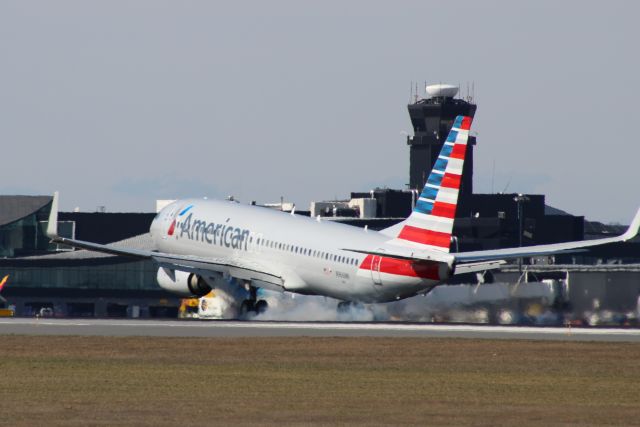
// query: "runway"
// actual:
[[227, 329]]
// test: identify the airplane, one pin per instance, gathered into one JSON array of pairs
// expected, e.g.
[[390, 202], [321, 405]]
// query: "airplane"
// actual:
[[200, 242]]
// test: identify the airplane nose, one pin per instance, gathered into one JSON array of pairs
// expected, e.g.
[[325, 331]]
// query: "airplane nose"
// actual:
[[153, 229], [163, 223]]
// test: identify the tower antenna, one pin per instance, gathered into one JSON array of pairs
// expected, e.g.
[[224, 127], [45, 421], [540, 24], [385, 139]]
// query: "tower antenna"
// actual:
[[493, 176]]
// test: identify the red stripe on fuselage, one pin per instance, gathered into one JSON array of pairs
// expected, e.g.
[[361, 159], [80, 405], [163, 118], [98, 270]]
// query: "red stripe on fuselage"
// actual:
[[426, 237], [401, 267], [366, 263], [172, 228]]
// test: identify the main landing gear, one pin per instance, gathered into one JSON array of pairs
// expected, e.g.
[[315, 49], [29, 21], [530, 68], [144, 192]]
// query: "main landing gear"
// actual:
[[252, 305], [352, 311], [347, 306]]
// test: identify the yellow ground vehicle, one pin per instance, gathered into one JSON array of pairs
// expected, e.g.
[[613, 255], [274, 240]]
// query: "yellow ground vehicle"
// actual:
[[188, 308], [210, 306], [4, 312]]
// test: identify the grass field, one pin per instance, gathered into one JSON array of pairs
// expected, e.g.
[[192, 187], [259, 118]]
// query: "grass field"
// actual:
[[316, 381]]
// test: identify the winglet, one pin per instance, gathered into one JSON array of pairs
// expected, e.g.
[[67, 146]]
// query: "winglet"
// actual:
[[52, 226], [632, 231]]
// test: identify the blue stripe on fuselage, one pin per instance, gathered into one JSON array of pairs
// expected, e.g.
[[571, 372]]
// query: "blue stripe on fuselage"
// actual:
[[185, 210]]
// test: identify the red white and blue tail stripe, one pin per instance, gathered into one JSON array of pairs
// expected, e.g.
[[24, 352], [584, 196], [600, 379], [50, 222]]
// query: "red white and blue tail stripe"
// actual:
[[430, 224]]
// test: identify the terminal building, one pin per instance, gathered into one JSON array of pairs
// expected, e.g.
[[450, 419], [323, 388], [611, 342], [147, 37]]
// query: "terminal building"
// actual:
[[67, 282]]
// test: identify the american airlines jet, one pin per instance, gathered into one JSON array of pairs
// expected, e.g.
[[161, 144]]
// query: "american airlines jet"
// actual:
[[200, 242]]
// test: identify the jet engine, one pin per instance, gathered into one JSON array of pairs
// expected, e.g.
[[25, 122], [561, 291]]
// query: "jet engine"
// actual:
[[183, 283]]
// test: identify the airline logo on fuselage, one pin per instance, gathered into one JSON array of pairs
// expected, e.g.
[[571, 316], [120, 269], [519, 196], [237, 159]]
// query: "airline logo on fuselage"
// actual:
[[172, 227], [225, 235]]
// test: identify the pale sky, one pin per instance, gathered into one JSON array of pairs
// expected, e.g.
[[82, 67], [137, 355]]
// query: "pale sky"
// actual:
[[120, 103]]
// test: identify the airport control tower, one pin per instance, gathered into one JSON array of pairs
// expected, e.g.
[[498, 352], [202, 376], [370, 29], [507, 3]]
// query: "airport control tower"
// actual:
[[432, 118]]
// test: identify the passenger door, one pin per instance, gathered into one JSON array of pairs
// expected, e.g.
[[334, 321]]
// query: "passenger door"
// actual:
[[375, 270]]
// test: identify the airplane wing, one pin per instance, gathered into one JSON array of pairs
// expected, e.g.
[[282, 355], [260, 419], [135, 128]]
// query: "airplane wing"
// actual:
[[200, 265], [540, 250], [238, 268]]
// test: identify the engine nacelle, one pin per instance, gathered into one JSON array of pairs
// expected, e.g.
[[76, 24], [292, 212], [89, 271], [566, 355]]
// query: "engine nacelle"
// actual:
[[183, 283]]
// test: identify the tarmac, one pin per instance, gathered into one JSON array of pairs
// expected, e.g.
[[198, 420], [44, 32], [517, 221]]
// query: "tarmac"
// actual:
[[229, 329]]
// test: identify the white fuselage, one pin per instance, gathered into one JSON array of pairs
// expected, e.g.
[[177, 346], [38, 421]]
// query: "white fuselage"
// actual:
[[308, 254]]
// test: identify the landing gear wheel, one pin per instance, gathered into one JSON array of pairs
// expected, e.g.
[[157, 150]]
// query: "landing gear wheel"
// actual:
[[344, 307], [354, 311], [261, 306], [246, 307]]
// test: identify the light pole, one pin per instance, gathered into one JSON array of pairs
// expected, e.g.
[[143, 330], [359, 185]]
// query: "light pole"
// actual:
[[520, 199]]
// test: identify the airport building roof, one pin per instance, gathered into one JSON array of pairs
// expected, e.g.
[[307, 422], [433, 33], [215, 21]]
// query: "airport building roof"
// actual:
[[14, 208]]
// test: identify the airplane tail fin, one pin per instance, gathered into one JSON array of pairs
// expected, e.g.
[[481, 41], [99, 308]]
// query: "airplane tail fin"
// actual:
[[3, 282], [430, 224]]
